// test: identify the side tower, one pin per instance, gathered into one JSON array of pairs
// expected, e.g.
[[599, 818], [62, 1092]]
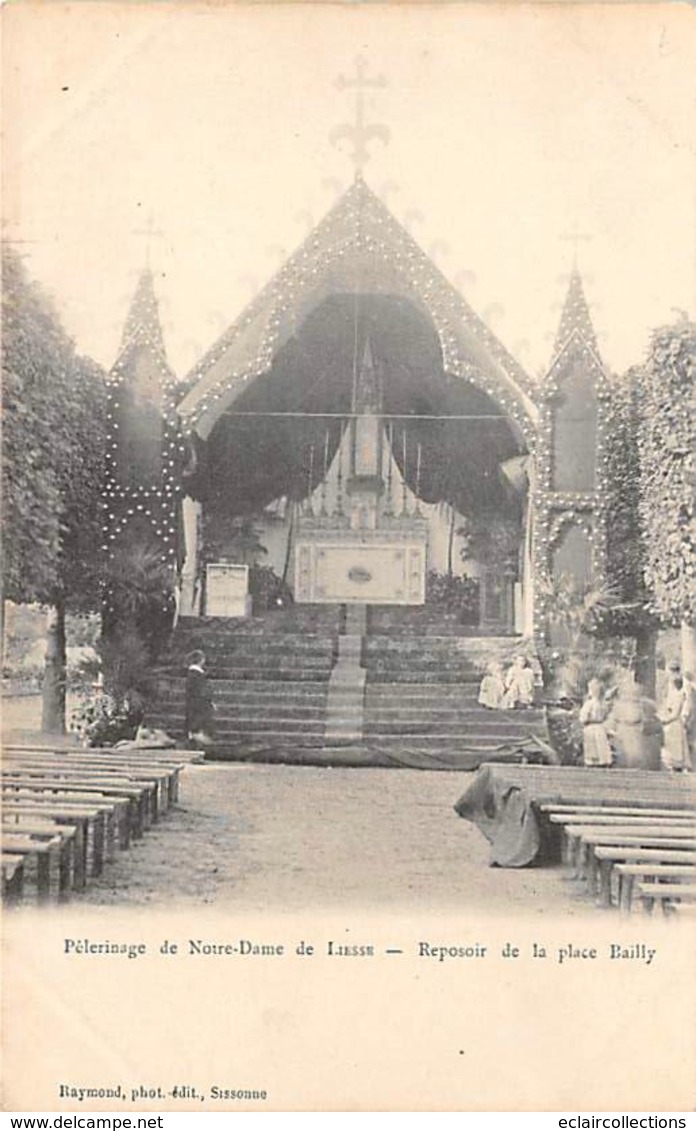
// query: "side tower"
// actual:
[[141, 493], [571, 488]]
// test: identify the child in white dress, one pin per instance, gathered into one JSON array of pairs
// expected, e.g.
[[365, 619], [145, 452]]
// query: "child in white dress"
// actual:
[[519, 684], [492, 689], [596, 750]]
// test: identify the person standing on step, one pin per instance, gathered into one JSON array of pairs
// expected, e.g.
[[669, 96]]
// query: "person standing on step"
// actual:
[[689, 715], [596, 750], [200, 709], [675, 747]]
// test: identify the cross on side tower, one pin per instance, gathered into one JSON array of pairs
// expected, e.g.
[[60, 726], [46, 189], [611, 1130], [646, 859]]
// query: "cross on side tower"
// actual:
[[576, 237], [360, 132], [148, 232]]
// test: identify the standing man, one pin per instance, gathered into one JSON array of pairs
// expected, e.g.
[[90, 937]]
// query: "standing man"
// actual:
[[689, 716], [199, 704]]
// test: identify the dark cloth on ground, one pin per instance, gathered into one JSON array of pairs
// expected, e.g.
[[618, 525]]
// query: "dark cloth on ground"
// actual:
[[503, 802]]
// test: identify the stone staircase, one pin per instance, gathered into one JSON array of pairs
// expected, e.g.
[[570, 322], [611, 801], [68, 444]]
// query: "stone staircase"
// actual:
[[422, 694], [318, 678], [269, 677]]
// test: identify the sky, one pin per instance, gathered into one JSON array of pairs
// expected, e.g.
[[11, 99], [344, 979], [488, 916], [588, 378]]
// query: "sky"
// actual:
[[512, 126]]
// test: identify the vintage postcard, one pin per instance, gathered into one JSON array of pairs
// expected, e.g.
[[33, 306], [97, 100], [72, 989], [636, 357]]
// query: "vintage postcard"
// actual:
[[349, 566]]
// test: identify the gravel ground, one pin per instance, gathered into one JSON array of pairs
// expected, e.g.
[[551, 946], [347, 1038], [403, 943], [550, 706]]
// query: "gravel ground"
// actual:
[[286, 838]]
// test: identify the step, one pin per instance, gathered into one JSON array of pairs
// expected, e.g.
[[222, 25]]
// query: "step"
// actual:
[[278, 746], [462, 734], [446, 668], [245, 693], [253, 649], [449, 708], [260, 686], [441, 726], [260, 673], [412, 690], [306, 620], [436, 675], [268, 734], [250, 722], [442, 741], [448, 645]]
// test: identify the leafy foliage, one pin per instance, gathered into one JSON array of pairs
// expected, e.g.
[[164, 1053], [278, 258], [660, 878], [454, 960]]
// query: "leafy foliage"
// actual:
[[53, 445], [100, 721], [233, 537], [138, 617], [455, 594], [575, 607], [268, 591], [630, 611], [667, 470], [490, 537]]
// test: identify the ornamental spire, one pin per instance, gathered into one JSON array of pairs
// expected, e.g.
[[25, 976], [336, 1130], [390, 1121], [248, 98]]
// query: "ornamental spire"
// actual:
[[576, 315], [360, 132], [142, 359]]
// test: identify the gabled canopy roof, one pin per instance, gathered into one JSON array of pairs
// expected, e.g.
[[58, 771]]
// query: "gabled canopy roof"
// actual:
[[359, 247]]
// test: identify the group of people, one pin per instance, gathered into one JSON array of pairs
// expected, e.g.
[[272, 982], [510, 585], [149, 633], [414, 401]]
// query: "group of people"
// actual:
[[615, 724], [631, 718], [508, 690]]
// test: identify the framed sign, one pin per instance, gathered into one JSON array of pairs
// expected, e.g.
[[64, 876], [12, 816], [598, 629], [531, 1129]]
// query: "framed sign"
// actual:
[[227, 590]]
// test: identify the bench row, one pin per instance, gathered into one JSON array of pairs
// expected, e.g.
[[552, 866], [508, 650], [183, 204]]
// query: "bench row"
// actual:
[[621, 853], [66, 813]]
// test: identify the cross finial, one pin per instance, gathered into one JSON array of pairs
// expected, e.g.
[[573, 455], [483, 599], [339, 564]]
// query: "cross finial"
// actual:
[[360, 132], [15, 241], [576, 237], [148, 231]]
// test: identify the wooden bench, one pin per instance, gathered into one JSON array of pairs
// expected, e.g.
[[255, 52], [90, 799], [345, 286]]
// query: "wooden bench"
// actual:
[[36, 852], [163, 777], [605, 814], [608, 857], [628, 874], [90, 821], [582, 837], [12, 877], [139, 796], [115, 810], [666, 895], [74, 807], [70, 835], [165, 758], [590, 840], [73, 831]]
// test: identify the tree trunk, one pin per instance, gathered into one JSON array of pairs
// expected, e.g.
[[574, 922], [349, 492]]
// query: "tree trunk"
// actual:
[[55, 672], [5, 626], [288, 544], [688, 647], [646, 660], [450, 544]]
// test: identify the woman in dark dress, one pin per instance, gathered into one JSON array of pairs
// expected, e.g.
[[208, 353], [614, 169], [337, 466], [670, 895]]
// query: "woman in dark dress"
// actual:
[[199, 703]]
